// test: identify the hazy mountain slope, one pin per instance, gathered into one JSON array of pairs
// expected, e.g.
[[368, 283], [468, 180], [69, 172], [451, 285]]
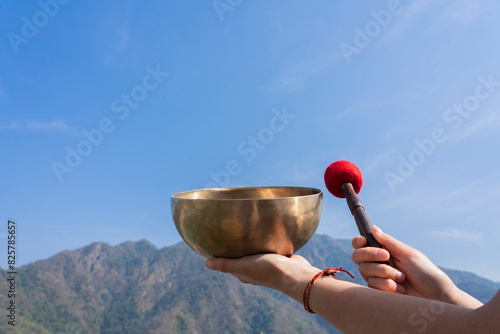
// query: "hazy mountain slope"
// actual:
[[137, 288]]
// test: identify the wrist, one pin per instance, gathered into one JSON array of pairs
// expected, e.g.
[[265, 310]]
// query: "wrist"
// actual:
[[326, 272], [450, 295], [293, 282], [461, 298]]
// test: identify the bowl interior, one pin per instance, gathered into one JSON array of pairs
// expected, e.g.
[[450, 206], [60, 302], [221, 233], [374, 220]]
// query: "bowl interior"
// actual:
[[248, 193]]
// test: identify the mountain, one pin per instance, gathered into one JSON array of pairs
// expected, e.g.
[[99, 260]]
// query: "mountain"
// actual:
[[136, 288], [479, 287]]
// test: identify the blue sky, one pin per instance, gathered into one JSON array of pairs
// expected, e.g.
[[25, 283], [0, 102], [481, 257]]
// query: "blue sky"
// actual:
[[108, 109]]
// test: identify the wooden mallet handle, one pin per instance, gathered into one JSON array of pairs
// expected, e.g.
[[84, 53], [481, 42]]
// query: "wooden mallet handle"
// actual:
[[344, 180], [360, 216]]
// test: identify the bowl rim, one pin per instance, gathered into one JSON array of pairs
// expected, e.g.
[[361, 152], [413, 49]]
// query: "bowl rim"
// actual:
[[179, 196]]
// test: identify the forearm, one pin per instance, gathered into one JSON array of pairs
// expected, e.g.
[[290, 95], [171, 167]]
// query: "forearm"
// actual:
[[462, 298], [356, 309], [444, 288]]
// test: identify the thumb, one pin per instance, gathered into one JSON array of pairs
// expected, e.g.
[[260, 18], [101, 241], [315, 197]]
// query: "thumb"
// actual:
[[394, 246], [218, 264]]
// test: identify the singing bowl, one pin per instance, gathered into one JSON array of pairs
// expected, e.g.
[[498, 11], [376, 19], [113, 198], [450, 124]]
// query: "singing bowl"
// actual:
[[235, 222]]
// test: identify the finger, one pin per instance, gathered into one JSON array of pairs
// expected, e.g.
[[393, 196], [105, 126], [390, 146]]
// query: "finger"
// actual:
[[394, 246], [222, 265], [299, 259], [368, 270], [242, 279], [385, 285], [358, 242], [369, 254]]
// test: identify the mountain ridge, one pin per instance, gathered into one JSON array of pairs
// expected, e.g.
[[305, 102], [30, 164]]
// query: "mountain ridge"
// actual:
[[135, 287], [341, 242]]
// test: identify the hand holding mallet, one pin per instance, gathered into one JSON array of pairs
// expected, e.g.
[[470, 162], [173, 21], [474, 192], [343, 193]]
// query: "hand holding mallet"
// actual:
[[344, 180]]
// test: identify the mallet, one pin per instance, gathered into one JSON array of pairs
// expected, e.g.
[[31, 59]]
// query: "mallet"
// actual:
[[344, 180]]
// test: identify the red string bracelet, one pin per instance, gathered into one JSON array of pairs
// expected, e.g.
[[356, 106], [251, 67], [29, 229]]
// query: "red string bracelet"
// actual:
[[327, 271]]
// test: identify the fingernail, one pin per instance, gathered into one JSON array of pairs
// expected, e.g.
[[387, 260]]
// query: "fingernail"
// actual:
[[210, 264], [358, 242], [400, 289], [377, 229], [381, 254], [399, 276]]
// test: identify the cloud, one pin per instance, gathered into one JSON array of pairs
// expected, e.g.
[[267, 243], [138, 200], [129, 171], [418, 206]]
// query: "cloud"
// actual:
[[295, 75], [58, 127], [459, 11], [359, 106], [407, 17], [454, 234], [463, 11], [427, 197], [416, 7], [489, 123], [122, 34], [376, 161]]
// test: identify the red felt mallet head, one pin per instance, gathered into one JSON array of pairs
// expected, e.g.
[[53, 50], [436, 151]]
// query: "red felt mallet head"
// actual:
[[343, 179], [342, 171]]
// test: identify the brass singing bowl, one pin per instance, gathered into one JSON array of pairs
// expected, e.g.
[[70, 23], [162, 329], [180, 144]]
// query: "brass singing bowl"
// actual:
[[235, 222]]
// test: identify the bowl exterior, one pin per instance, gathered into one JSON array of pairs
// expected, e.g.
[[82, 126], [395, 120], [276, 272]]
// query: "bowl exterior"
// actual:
[[234, 228]]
